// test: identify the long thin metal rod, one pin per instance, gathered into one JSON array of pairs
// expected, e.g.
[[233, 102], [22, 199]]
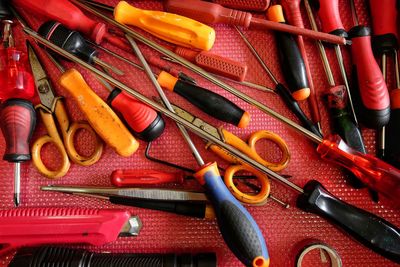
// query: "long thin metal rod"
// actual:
[[165, 100], [201, 133], [203, 73], [17, 183], [381, 135]]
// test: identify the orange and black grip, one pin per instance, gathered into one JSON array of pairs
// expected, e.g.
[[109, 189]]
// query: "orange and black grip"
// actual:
[[372, 89], [291, 61], [238, 228], [209, 102], [18, 121], [328, 13], [384, 26], [214, 63], [143, 121]]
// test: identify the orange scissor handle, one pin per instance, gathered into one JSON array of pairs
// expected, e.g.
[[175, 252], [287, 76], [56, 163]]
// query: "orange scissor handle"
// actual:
[[54, 138], [250, 148], [259, 198]]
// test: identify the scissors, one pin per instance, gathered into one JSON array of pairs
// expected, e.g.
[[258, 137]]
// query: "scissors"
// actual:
[[52, 108], [249, 149]]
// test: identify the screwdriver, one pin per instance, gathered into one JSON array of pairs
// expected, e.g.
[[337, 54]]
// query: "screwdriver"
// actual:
[[73, 42], [293, 15], [170, 27], [249, 5], [368, 228], [371, 84], [18, 121], [281, 90], [290, 58], [4, 10], [16, 79], [213, 13]]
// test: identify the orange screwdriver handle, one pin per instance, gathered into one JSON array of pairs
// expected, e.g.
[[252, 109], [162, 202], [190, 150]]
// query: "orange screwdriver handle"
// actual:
[[373, 172], [173, 28], [129, 178], [99, 115]]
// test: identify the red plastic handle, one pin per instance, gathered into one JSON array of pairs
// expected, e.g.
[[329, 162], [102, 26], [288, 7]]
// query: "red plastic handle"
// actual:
[[328, 13], [292, 12], [66, 13], [384, 17], [38, 226], [136, 114], [251, 5], [215, 63], [18, 120], [127, 178], [375, 173]]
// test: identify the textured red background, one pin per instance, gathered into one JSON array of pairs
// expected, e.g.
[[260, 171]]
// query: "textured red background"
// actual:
[[164, 232]]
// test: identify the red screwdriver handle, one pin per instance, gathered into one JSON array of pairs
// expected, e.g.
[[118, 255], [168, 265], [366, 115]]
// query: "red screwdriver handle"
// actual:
[[384, 17], [250, 5], [328, 13], [66, 13], [292, 12], [372, 87], [18, 120], [375, 173], [127, 178], [215, 63]]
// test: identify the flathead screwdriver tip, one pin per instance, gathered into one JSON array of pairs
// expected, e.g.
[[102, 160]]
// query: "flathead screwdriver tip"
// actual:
[[16, 199]]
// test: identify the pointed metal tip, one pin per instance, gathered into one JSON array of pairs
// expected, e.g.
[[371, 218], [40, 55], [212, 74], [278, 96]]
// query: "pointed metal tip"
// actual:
[[16, 200], [132, 227], [348, 42]]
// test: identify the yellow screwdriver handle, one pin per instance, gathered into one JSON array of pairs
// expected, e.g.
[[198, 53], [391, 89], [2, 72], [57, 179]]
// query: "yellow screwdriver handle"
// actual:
[[173, 28], [99, 115]]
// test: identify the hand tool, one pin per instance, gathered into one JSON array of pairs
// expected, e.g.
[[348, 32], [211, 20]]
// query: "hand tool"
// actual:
[[16, 80], [252, 250], [214, 63], [314, 197], [290, 58], [367, 168], [4, 10], [211, 13], [252, 5], [392, 131], [73, 42], [248, 149], [30, 226], [371, 84], [209, 102], [60, 256], [293, 15], [17, 120], [282, 91], [179, 202], [52, 109], [338, 101], [328, 13], [311, 245], [170, 27]]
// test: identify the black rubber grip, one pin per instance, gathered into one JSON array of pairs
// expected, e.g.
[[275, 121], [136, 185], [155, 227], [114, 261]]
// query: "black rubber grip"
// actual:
[[4, 9], [392, 134], [209, 102], [291, 61], [374, 232], [61, 257], [292, 104], [191, 209]]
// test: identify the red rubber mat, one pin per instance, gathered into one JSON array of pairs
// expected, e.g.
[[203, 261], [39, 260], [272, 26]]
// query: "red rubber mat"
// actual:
[[283, 228]]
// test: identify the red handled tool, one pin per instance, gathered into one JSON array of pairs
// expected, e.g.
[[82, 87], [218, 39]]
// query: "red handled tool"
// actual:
[[125, 178], [41, 226], [210, 13], [251, 5], [18, 120]]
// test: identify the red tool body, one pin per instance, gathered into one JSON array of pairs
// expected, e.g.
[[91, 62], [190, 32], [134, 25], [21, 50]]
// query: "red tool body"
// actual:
[[38, 226], [251, 5], [328, 12], [126, 178]]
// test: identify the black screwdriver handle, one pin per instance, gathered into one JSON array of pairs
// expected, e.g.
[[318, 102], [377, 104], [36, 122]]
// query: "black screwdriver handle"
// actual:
[[292, 104], [209, 102], [374, 232]]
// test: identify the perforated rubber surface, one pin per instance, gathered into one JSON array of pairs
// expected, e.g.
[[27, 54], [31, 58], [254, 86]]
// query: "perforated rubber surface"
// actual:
[[163, 232]]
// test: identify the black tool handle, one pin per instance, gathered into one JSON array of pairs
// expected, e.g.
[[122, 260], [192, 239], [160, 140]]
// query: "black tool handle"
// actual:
[[292, 104], [60, 257], [374, 232], [197, 210], [392, 139]]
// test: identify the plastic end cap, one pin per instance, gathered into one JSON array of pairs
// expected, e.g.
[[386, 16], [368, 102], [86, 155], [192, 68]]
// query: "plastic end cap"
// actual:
[[167, 81], [98, 32], [120, 11], [210, 41], [275, 13], [301, 94], [245, 120], [260, 261]]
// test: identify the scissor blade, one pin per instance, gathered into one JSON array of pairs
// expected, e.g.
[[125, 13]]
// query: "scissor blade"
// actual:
[[139, 193], [43, 87]]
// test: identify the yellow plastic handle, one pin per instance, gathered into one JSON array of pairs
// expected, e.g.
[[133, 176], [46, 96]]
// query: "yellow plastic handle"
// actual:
[[99, 115], [51, 137], [172, 28]]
